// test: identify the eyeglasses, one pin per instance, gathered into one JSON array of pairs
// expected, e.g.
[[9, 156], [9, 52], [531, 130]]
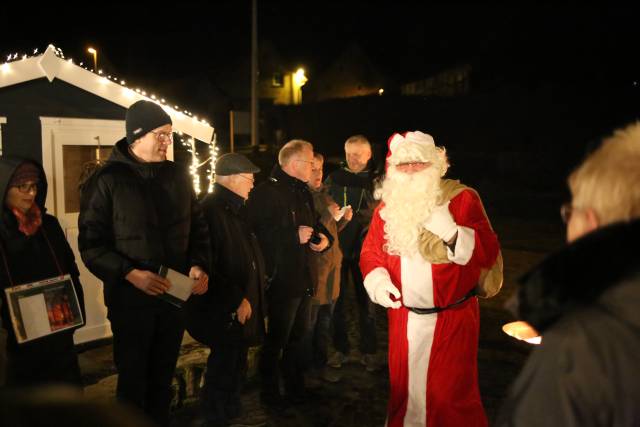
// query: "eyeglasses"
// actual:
[[565, 211], [248, 179], [163, 136], [27, 187]]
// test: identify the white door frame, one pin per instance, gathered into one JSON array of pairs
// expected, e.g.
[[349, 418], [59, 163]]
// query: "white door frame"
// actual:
[[57, 132]]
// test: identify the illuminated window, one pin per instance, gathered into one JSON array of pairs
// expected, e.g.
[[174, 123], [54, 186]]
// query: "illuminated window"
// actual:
[[277, 80]]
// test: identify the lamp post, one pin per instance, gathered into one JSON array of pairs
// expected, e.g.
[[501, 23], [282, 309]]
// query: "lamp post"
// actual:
[[94, 52]]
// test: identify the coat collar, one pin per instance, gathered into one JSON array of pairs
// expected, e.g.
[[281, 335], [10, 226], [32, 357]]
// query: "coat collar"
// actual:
[[231, 199], [280, 175], [579, 274]]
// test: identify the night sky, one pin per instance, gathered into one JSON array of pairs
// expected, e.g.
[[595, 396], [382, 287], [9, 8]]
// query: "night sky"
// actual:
[[407, 40]]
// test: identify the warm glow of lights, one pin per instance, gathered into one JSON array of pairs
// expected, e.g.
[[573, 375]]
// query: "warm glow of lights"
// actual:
[[132, 94], [380, 91], [522, 331], [299, 79], [128, 92]]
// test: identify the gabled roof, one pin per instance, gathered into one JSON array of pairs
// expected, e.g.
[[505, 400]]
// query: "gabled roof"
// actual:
[[52, 66]]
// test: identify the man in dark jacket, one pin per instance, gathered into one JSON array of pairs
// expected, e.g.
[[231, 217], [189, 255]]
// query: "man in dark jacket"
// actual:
[[282, 214], [230, 316], [138, 213], [584, 301], [353, 186]]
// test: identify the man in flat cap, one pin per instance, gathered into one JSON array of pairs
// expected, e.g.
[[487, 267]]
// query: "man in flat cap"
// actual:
[[230, 317], [137, 213]]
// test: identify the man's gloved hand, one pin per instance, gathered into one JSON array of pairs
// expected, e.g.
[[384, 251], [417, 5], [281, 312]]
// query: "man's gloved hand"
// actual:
[[383, 292], [441, 223]]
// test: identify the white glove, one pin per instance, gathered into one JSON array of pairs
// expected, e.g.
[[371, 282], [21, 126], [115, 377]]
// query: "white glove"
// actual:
[[382, 292], [441, 223]]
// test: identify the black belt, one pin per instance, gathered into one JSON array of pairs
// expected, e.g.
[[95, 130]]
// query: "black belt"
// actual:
[[432, 310]]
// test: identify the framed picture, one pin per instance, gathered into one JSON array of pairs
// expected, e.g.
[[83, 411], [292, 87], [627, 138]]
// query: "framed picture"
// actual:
[[43, 308]]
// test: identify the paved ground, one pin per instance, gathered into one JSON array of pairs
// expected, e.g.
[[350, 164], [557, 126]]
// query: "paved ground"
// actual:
[[360, 397]]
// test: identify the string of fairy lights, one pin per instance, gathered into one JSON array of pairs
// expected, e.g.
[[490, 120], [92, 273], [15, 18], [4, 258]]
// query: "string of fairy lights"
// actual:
[[188, 142], [190, 146]]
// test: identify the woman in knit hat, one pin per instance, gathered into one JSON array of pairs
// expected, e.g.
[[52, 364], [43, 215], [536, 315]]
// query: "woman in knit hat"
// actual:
[[33, 247]]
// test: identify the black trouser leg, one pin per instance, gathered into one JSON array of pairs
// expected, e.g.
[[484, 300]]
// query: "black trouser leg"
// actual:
[[167, 340], [293, 355], [322, 335], [340, 337], [226, 368], [366, 311], [146, 344], [282, 314]]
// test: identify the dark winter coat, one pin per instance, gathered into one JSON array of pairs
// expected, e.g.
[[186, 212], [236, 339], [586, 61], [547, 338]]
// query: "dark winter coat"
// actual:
[[355, 189], [584, 300], [237, 272], [276, 209], [139, 215], [30, 259]]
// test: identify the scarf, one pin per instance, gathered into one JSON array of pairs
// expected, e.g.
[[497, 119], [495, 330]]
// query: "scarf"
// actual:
[[28, 222]]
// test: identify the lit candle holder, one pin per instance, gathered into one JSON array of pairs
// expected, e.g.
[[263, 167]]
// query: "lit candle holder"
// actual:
[[522, 331]]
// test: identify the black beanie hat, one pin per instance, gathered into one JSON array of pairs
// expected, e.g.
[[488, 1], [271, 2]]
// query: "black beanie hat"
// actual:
[[143, 117]]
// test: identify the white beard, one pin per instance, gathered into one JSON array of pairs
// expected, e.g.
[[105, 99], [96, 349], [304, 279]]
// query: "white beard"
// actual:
[[408, 200]]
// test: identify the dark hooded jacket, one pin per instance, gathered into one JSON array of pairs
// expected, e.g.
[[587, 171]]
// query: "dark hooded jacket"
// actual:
[[276, 209], [355, 189], [237, 272], [139, 215], [585, 301], [30, 259]]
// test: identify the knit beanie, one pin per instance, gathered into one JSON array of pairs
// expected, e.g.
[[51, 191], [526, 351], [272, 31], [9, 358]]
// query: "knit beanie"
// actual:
[[26, 172], [143, 117]]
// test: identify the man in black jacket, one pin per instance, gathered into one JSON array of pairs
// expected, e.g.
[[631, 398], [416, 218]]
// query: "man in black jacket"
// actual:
[[138, 213], [230, 316], [352, 186], [281, 212], [584, 301]]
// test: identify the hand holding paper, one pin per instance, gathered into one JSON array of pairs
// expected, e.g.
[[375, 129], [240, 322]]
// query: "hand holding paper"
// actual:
[[148, 282], [339, 213], [348, 212]]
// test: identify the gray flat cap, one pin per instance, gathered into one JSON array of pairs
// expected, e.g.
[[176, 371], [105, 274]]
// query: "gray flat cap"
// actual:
[[234, 163]]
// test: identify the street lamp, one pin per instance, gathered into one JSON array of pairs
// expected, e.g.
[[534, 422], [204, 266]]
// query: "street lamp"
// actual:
[[94, 52], [298, 80]]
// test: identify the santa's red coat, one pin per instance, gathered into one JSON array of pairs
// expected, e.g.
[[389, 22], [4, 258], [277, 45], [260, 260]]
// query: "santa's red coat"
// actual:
[[433, 373]]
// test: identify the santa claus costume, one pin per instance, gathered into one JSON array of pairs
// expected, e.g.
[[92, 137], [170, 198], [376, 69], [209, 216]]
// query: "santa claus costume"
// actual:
[[430, 249]]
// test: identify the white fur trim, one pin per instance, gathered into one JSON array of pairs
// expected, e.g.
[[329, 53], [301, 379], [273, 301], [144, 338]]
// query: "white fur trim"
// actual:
[[422, 142], [374, 278], [465, 244], [420, 138], [397, 139], [417, 281], [420, 332]]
